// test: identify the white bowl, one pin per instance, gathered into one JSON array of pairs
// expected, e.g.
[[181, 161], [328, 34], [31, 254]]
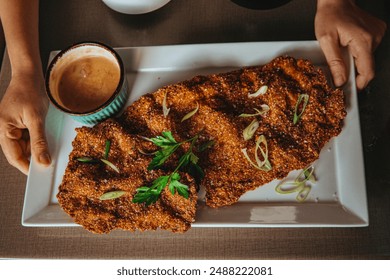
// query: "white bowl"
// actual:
[[135, 6]]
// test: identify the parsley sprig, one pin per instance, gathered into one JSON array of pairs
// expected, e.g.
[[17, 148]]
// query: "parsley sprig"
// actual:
[[188, 162], [150, 195]]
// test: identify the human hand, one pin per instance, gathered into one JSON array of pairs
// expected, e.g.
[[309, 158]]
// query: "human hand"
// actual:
[[340, 23], [22, 116]]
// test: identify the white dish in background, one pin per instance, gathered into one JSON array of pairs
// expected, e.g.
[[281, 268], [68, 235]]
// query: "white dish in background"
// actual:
[[135, 6], [338, 199]]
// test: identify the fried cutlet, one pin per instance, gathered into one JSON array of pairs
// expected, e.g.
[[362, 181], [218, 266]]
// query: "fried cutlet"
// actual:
[[222, 98], [85, 182]]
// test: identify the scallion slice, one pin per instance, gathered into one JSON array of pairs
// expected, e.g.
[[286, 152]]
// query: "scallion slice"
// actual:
[[164, 105], [288, 187], [264, 152], [86, 159], [264, 109], [146, 153], [298, 113], [299, 184], [305, 175], [263, 165], [303, 193], [110, 164], [111, 195], [107, 149], [262, 90], [250, 130], [190, 114]]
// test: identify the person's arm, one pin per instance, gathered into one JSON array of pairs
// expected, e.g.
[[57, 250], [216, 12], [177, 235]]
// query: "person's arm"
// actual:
[[24, 105], [341, 23]]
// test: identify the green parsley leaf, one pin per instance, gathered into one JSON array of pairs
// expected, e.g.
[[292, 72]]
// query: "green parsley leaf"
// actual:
[[188, 162], [151, 194], [196, 172], [168, 146], [165, 140], [179, 187]]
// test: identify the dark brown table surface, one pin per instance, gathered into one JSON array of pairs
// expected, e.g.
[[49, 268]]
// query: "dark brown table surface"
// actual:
[[203, 21]]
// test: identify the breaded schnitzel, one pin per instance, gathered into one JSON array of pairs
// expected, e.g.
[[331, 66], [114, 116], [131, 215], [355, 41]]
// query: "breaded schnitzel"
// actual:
[[295, 113], [222, 98], [84, 183]]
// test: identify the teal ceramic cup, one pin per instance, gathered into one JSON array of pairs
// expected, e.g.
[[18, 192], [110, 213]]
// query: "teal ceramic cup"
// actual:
[[88, 82]]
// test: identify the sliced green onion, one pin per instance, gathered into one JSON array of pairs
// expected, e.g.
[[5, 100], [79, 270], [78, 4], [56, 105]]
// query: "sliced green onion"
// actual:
[[303, 193], [305, 99], [265, 162], [164, 105], [244, 151], [262, 90], [111, 195], [305, 175], [263, 165], [299, 184], [86, 159], [110, 164], [145, 153], [288, 187], [310, 175], [250, 130], [107, 150], [190, 114], [264, 109]]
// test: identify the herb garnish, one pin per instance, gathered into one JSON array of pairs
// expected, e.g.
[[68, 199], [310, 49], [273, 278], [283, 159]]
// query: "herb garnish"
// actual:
[[262, 90], [150, 195], [301, 98], [164, 105], [87, 160], [264, 109], [111, 195], [108, 163], [188, 162], [299, 184], [263, 165], [250, 130], [190, 114], [103, 160]]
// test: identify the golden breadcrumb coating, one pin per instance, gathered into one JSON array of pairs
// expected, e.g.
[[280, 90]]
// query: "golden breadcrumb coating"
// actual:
[[84, 183], [221, 99]]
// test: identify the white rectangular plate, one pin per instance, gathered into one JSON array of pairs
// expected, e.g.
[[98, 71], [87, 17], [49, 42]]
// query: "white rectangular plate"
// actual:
[[338, 199]]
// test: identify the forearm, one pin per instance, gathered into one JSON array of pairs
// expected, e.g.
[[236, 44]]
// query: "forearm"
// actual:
[[20, 23]]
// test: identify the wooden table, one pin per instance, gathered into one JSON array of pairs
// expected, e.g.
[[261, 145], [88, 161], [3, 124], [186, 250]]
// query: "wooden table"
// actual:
[[65, 22]]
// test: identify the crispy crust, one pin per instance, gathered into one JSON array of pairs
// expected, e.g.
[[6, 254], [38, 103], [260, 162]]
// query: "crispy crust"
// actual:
[[222, 98], [84, 183], [228, 174]]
